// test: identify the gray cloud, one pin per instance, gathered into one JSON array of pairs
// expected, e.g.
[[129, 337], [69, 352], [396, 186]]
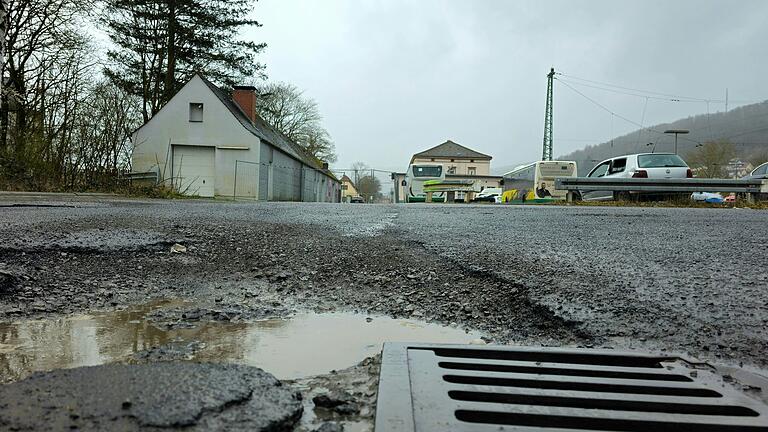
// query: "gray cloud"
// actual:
[[395, 77]]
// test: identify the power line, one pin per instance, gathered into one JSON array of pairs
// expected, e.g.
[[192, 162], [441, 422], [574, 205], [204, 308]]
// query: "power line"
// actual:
[[616, 114], [668, 95], [642, 121], [636, 94], [655, 95]]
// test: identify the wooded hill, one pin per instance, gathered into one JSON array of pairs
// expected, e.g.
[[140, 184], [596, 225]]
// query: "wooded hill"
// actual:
[[745, 127]]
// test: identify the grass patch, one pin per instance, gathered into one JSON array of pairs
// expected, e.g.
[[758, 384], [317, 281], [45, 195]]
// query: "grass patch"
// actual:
[[158, 192]]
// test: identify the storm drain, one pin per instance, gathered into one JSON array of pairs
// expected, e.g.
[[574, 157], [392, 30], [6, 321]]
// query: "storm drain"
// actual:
[[425, 388]]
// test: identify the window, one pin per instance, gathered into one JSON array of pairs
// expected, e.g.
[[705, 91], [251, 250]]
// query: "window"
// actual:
[[471, 161], [761, 170], [472, 170], [452, 170], [618, 165], [660, 161], [600, 170], [427, 171], [195, 112]]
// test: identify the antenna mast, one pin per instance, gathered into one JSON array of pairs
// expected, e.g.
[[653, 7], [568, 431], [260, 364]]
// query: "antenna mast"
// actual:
[[547, 148]]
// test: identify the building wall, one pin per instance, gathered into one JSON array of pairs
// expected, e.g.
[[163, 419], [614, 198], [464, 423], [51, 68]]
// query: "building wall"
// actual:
[[263, 171], [153, 142], [483, 167], [350, 190], [319, 187]]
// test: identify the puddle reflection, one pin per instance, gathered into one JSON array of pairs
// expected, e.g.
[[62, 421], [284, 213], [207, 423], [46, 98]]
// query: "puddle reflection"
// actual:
[[303, 345]]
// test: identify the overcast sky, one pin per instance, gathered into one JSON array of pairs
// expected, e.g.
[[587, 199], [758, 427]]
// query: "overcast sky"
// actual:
[[399, 76]]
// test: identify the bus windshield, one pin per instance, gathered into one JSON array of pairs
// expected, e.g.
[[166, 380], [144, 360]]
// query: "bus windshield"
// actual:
[[427, 171]]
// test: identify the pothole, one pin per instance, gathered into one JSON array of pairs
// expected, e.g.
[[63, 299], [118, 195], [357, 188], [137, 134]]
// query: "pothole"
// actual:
[[95, 240], [292, 347]]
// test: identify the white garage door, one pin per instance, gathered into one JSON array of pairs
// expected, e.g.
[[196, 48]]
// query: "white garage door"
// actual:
[[194, 170]]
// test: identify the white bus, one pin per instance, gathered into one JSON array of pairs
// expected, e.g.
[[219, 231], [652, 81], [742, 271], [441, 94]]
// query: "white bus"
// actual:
[[535, 182], [415, 178]]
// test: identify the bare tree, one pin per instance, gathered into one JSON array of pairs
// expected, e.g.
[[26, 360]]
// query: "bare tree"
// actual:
[[358, 169], [710, 159], [298, 117], [60, 127], [369, 188]]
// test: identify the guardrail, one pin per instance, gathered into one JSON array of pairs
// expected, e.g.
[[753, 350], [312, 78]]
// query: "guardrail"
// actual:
[[585, 184], [154, 175]]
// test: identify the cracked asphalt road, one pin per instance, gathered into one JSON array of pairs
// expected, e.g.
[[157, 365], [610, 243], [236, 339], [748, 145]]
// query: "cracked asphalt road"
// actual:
[[691, 281]]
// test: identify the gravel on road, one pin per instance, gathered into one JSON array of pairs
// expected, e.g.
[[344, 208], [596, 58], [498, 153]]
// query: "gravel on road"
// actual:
[[692, 281]]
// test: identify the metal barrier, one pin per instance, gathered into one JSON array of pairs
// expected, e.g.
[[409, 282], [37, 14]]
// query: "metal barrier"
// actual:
[[582, 184], [149, 175]]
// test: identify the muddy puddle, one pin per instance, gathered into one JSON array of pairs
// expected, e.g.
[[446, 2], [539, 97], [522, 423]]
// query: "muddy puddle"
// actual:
[[300, 345]]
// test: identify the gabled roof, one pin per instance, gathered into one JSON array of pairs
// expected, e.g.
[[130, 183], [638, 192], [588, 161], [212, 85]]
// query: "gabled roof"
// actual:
[[345, 178], [450, 149], [260, 128]]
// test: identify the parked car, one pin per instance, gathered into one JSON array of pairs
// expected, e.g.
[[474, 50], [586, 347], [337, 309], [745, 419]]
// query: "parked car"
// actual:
[[357, 199], [643, 165], [761, 172], [488, 195]]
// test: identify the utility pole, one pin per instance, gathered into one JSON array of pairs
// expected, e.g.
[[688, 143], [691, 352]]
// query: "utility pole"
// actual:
[[726, 99], [547, 148]]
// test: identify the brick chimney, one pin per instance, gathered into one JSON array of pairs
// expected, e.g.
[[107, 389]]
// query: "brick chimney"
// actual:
[[245, 97]]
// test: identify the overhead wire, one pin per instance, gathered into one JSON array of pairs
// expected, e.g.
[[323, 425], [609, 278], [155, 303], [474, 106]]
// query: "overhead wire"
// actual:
[[642, 121], [619, 115], [646, 92], [653, 94], [636, 94], [649, 96]]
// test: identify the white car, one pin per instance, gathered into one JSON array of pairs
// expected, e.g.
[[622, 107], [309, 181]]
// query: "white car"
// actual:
[[489, 195], [643, 165]]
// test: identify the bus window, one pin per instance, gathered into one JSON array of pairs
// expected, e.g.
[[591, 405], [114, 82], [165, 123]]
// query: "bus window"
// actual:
[[427, 171]]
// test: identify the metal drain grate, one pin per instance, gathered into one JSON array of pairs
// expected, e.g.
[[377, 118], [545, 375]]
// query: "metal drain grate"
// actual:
[[429, 388]]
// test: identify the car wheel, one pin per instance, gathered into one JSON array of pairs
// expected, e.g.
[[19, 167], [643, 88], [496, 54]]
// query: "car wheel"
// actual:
[[622, 196]]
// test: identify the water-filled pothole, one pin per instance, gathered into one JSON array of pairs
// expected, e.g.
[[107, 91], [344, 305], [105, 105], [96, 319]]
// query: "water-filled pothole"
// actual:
[[301, 345]]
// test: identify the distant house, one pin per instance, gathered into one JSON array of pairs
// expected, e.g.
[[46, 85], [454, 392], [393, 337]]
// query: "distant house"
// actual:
[[737, 168], [459, 163], [348, 189], [208, 142], [456, 159]]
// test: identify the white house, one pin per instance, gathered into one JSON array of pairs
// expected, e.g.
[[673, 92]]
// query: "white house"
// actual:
[[207, 142]]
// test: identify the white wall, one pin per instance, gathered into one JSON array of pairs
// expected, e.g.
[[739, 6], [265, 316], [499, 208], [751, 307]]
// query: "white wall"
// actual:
[[171, 125], [153, 146]]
